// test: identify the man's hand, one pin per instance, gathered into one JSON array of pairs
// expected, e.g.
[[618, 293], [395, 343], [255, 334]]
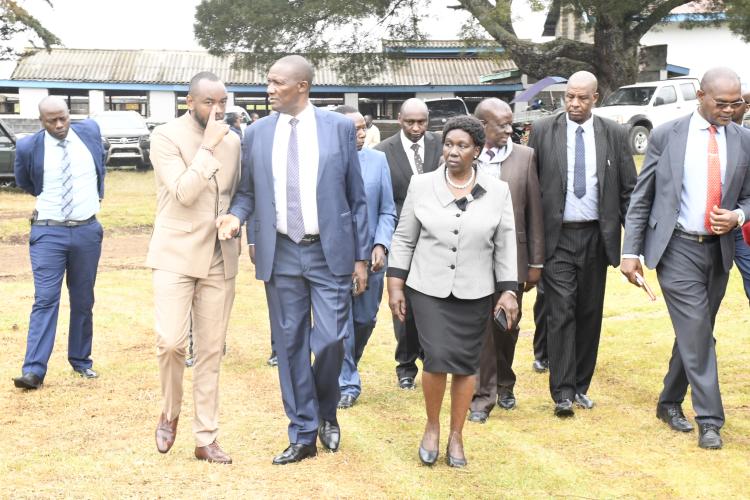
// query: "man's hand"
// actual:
[[629, 267], [377, 258], [508, 303], [396, 298], [251, 252], [360, 275], [228, 226], [722, 220], [215, 130], [533, 277]]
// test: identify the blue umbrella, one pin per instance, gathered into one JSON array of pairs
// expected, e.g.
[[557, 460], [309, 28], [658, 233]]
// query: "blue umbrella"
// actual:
[[542, 84]]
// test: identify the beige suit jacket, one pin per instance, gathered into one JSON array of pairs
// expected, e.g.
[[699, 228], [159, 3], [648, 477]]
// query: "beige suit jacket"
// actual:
[[193, 187], [444, 250]]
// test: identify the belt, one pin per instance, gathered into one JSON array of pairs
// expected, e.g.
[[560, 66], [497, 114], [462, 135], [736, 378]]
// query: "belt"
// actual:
[[307, 239], [63, 223], [580, 225], [700, 238]]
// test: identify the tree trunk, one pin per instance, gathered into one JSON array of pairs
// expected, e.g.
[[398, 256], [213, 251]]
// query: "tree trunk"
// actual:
[[615, 56]]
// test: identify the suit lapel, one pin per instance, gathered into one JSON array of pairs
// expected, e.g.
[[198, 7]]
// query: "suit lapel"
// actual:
[[429, 154], [733, 150], [402, 162], [325, 133], [267, 137], [601, 141], [677, 146], [38, 152], [561, 149]]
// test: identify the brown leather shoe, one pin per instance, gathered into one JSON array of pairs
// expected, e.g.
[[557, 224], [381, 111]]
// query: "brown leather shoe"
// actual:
[[165, 433], [212, 453]]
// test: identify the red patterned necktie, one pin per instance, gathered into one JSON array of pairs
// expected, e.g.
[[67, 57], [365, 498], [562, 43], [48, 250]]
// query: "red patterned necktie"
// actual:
[[713, 195]]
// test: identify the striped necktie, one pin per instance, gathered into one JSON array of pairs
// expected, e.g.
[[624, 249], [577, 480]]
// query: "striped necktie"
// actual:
[[713, 192], [295, 224], [67, 181], [579, 165], [418, 163]]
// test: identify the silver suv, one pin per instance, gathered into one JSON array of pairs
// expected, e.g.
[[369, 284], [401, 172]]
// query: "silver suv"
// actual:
[[128, 137]]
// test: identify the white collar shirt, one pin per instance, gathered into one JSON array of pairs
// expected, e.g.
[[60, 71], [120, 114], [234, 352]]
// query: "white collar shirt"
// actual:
[[586, 208], [492, 164], [407, 144]]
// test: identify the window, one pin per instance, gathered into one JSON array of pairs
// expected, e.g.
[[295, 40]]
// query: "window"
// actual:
[[688, 91], [666, 95]]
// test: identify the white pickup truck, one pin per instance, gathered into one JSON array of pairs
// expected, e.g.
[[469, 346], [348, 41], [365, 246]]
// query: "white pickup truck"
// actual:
[[643, 106]]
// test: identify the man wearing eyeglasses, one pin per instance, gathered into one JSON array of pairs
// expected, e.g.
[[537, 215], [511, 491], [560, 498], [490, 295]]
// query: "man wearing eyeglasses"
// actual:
[[692, 192]]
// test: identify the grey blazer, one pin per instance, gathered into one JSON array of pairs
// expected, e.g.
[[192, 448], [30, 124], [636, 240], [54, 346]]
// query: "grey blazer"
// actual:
[[655, 203], [441, 250]]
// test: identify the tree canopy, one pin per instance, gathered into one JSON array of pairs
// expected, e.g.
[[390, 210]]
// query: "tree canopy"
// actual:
[[15, 20]]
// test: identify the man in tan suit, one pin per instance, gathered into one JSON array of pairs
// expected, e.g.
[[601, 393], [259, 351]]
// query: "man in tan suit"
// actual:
[[196, 163], [516, 165]]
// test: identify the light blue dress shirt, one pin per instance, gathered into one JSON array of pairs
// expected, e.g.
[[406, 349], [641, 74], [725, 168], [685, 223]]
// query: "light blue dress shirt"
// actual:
[[84, 193], [585, 208]]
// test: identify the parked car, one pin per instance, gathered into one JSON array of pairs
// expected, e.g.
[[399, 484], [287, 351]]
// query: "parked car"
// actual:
[[646, 105], [128, 137], [441, 110], [7, 154]]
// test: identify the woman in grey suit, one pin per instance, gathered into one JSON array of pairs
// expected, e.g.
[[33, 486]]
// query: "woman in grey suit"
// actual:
[[453, 247]]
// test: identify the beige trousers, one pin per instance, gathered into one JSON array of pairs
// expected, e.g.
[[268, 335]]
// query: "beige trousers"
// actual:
[[209, 300]]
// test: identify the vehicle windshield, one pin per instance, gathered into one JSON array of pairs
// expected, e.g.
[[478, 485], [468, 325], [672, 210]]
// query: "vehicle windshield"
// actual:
[[630, 96], [120, 120], [446, 108]]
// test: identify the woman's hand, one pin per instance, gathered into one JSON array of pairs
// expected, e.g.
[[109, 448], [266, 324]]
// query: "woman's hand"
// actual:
[[508, 303], [396, 298]]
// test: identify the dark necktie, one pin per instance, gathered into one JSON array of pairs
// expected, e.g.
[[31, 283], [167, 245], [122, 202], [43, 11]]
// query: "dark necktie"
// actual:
[[418, 163], [713, 193], [579, 167], [295, 227], [67, 181], [491, 154]]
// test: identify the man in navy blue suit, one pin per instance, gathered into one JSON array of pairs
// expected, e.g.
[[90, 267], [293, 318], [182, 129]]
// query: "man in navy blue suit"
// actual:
[[302, 186], [63, 166], [381, 219]]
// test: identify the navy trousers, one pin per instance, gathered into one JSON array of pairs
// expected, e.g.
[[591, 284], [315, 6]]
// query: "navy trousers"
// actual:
[[55, 252], [309, 309]]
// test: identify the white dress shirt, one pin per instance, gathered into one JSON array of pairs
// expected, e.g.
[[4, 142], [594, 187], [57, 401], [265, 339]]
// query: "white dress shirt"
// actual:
[[585, 208], [407, 144], [84, 193], [492, 164], [307, 146]]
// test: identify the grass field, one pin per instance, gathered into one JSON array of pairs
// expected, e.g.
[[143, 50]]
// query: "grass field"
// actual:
[[94, 439]]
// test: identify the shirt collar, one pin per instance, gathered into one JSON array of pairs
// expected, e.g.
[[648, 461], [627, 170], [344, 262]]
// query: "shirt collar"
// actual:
[[308, 113], [54, 141], [588, 125], [406, 142], [700, 123]]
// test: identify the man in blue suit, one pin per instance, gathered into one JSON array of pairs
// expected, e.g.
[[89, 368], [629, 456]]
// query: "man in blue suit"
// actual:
[[63, 166], [302, 187], [381, 219]]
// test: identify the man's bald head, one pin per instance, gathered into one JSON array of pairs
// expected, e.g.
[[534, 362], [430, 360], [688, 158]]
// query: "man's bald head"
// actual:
[[497, 119], [719, 76], [55, 117], [580, 96], [289, 81], [491, 105], [720, 96], [583, 79], [413, 105], [52, 103], [298, 68], [413, 118]]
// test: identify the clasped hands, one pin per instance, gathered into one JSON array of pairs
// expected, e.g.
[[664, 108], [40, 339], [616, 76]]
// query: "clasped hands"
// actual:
[[228, 226]]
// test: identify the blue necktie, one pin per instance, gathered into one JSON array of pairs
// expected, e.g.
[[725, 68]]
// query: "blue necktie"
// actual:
[[295, 224], [67, 181], [579, 168]]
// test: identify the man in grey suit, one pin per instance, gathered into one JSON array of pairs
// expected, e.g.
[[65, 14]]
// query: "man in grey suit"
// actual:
[[692, 192], [586, 174], [301, 185], [412, 151], [516, 165]]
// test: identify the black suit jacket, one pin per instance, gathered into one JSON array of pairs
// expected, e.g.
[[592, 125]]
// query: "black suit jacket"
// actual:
[[399, 164], [615, 172]]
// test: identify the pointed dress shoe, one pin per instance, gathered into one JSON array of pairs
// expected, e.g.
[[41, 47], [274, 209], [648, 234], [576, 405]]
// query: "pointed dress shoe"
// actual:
[[709, 437], [28, 381], [165, 433], [330, 435], [407, 383], [295, 453], [427, 457], [452, 461], [86, 372], [540, 365], [212, 453], [346, 401], [273, 360], [478, 417], [583, 401], [564, 408], [506, 401], [673, 416]]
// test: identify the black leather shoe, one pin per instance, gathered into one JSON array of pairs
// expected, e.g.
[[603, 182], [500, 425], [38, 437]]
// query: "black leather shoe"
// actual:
[[273, 360], [453, 461], [295, 453], [86, 372], [506, 401], [428, 457], [478, 417], [672, 415], [330, 435], [540, 365], [583, 401], [709, 438], [346, 401], [564, 408], [407, 383], [28, 381]]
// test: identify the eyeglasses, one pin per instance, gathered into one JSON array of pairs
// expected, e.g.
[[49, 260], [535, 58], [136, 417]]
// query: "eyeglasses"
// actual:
[[733, 105]]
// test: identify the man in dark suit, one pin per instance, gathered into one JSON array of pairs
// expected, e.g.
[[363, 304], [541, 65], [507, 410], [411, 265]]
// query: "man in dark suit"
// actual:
[[692, 192], [586, 173], [516, 165], [742, 246], [63, 166], [302, 187], [412, 151]]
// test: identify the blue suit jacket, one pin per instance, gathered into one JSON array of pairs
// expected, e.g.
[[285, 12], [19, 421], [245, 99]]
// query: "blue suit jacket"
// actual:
[[381, 209], [29, 165], [342, 212]]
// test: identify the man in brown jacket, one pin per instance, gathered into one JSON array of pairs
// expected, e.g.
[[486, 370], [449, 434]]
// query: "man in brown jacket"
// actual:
[[196, 165], [516, 165]]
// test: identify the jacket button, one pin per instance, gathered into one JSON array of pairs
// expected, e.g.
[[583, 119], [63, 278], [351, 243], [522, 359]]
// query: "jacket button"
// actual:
[[458, 214], [453, 249], [453, 266], [455, 231]]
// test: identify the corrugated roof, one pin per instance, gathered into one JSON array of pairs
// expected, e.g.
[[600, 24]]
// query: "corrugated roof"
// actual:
[[177, 67], [440, 44]]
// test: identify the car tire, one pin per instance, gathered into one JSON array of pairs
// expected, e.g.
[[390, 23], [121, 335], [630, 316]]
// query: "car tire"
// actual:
[[142, 166], [638, 139]]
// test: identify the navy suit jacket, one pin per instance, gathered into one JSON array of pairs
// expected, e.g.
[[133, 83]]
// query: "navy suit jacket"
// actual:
[[381, 210], [342, 210], [29, 165]]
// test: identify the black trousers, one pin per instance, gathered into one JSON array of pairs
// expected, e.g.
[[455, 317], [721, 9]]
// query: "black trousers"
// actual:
[[408, 349], [540, 325], [574, 282]]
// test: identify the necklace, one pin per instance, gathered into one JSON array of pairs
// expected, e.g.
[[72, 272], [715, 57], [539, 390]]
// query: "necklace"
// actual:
[[460, 186]]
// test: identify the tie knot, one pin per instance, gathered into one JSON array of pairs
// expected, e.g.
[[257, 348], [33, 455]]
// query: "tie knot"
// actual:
[[579, 130], [293, 122], [491, 153], [712, 129], [415, 147], [63, 143]]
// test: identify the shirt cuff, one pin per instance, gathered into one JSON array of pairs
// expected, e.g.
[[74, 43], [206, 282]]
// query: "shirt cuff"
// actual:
[[394, 272], [630, 256], [740, 216], [537, 266]]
